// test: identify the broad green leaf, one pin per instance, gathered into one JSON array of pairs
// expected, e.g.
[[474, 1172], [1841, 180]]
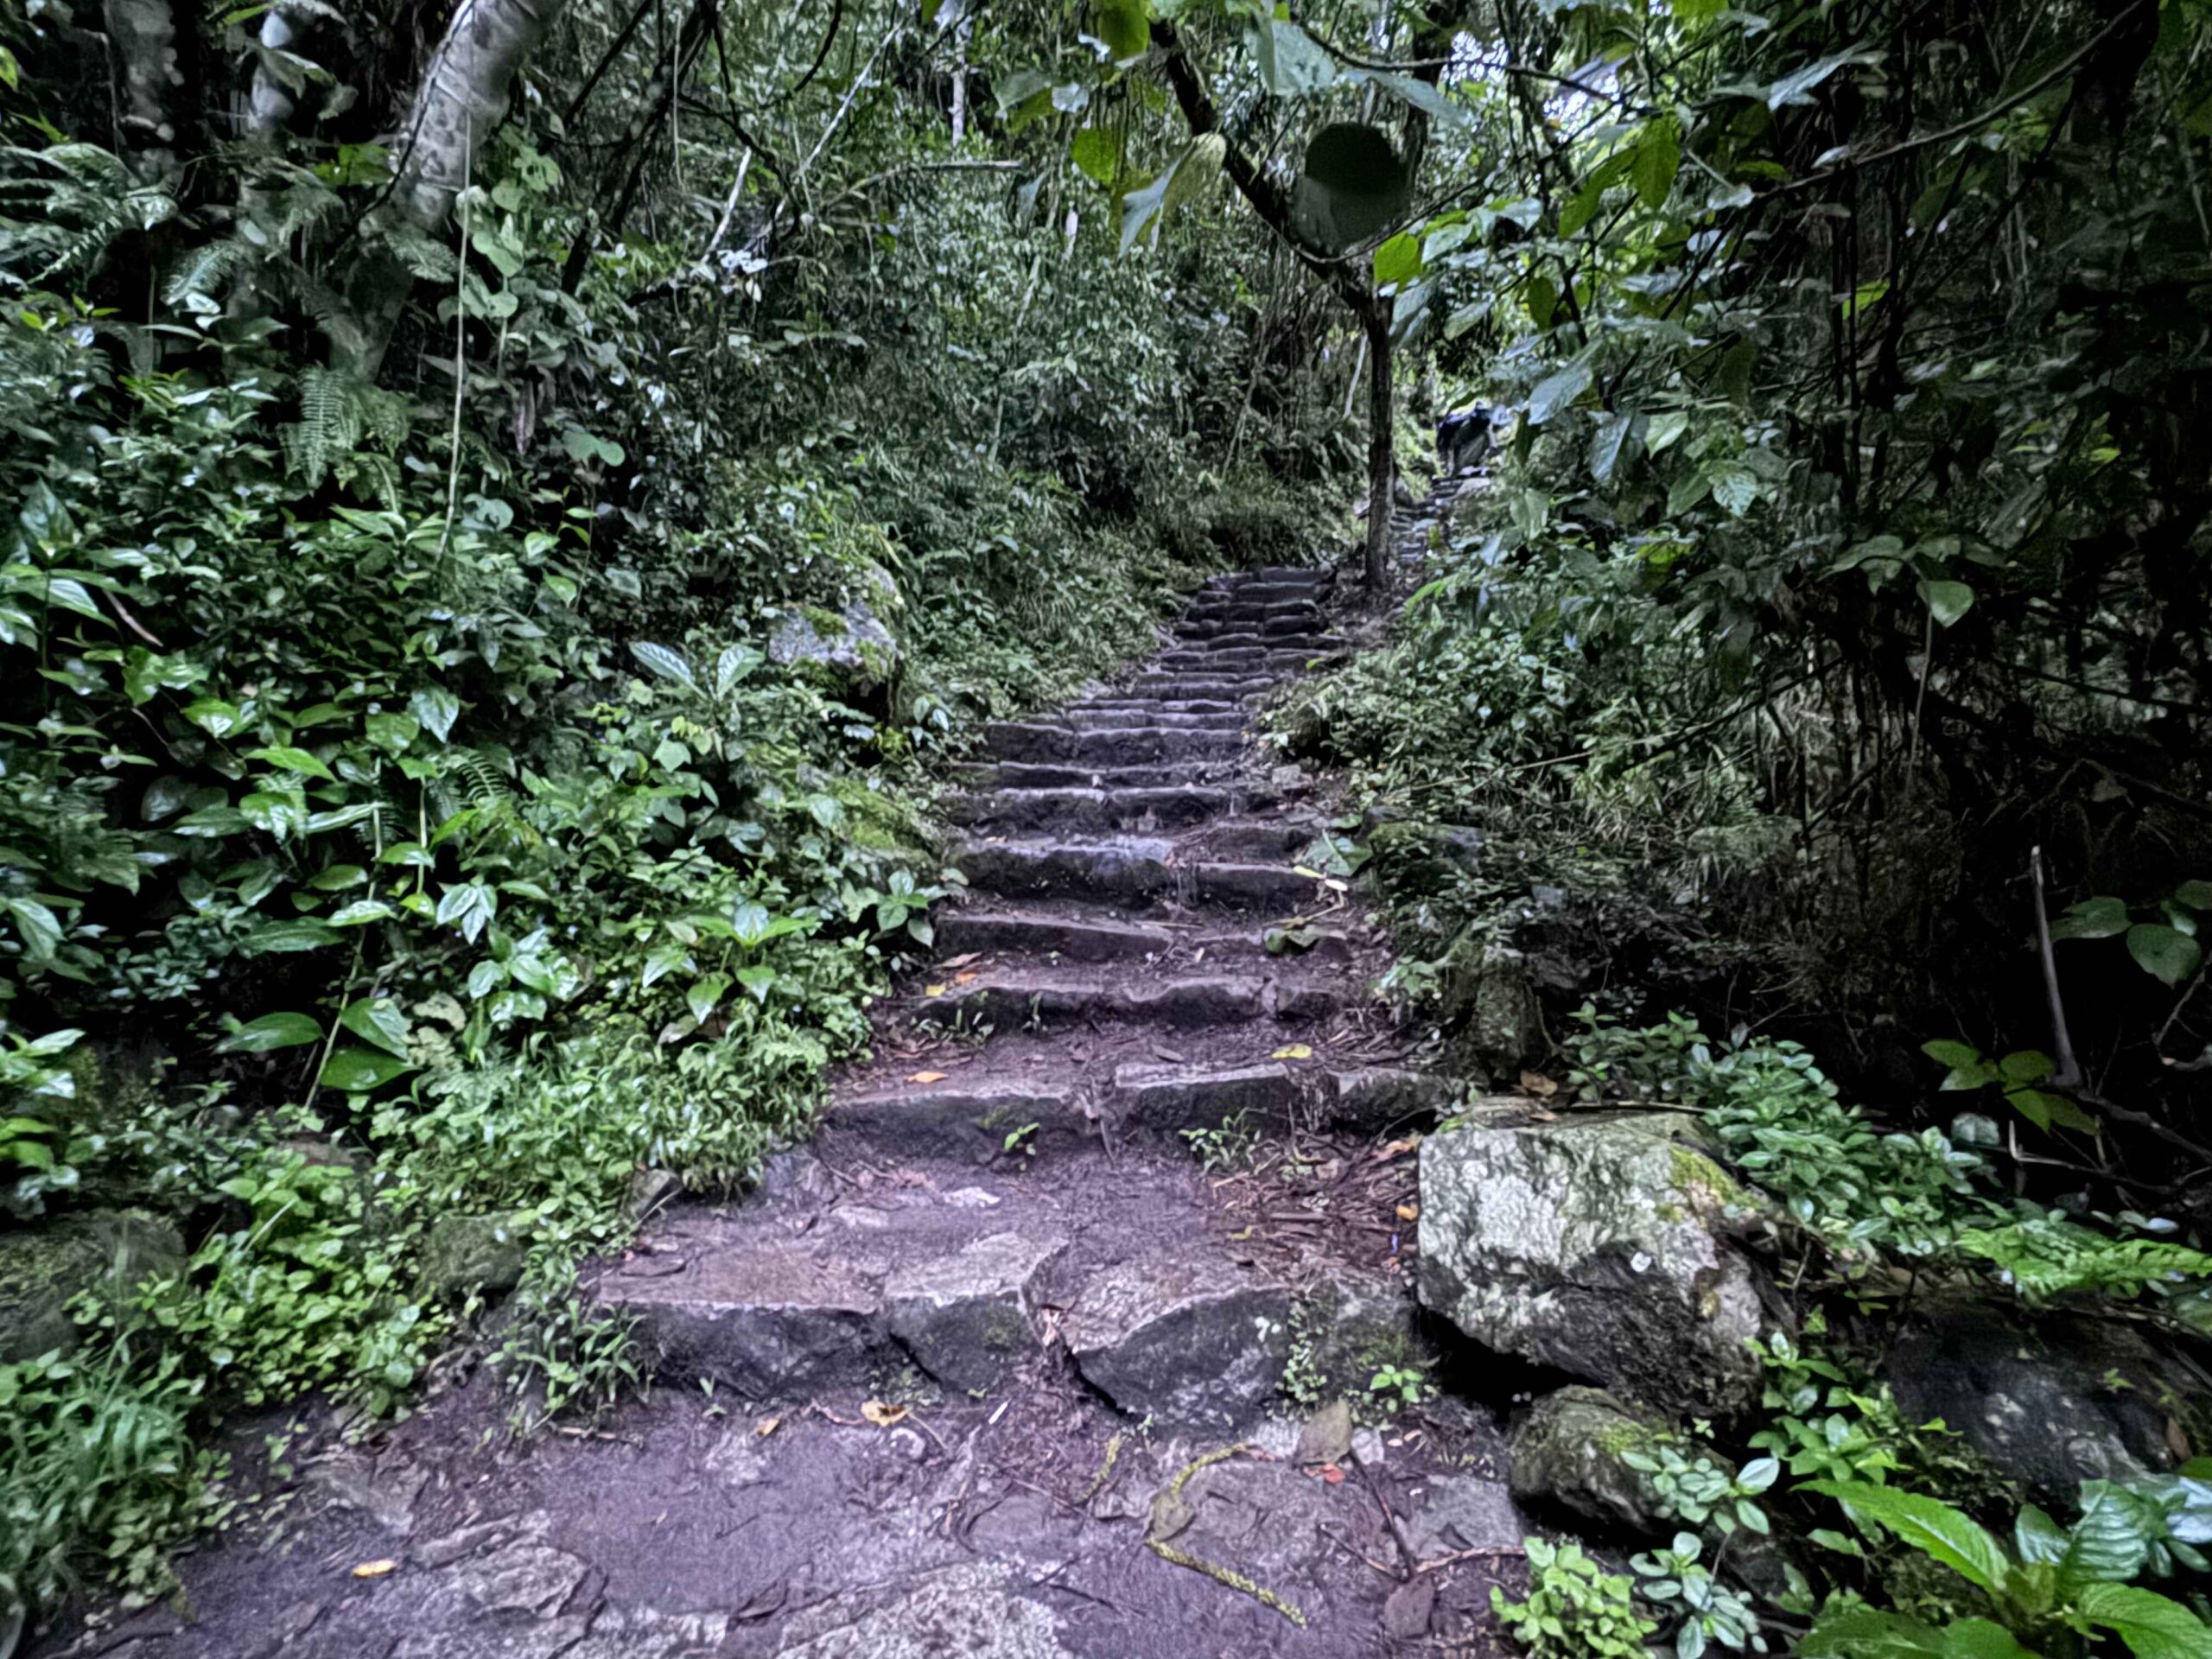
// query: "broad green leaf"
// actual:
[[1397, 260], [1557, 391], [757, 980], [1953, 1538], [2026, 1065], [1096, 153], [276, 938], [2105, 1543], [703, 998], [1292, 63], [1944, 1052], [40, 927], [378, 1019], [271, 1031], [667, 664], [2196, 895], [357, 1070], [1947, 601], [292, 760], [1124, 25], [1409, 89], [2153, 1626], [1797, 87], [2044, 1109], [2093, 919], [361, 912], [1658, 155], [1618, 437], [2165, 953], [436, 709], [393, 732]]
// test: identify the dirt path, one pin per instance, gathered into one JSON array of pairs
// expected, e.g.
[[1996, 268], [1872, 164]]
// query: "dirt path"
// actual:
[[995, 1367]]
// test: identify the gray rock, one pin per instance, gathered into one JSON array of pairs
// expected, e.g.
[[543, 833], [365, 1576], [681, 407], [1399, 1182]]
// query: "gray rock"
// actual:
[[1267, 1521], [2064, 1401], [550, 1640], [1598, 1247], [1172, 1341], [1408, 1609], [967, 1317], [386, 1496], [1351, 1328], [486, 1252], [969, 1610], [1487, 994], [1460, 1512], [853, 642], [1325, 1437], [767, 1321], [45, 1267], [1567, 1452], [522, 1578]]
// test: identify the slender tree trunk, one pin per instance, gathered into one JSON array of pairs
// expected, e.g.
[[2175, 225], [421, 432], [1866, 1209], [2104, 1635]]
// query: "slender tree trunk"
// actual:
[[1382, 464], [143, 34], [463, 92]]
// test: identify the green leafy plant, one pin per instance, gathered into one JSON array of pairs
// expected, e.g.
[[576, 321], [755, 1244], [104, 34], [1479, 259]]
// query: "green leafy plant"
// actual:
[[1574, 1609], [1398, 1385], [2015, 1077], [2053, 1592], [1691, 1486], [1226, 1146], [1675, 1581], [2163, 943]]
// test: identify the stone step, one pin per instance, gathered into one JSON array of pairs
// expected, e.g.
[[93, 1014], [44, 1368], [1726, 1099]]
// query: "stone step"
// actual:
[[1247, 660], [1098, 811], [788, 1299], [1276, 1094], [1271, 575], [1133, 872], [1119, 705], [1015, 774], [1154, 718], [1225, 642], [1136, 746], [1254, 840], [1253, 619], [1068, 933], [1180, 686], [1040, 998]]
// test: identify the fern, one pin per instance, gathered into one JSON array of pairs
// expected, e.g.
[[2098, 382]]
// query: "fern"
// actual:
[[2045, 1256], [207, 271], [337, 410]]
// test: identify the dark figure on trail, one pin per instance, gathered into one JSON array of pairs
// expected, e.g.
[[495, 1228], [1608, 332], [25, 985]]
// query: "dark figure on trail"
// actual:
[[1462, 439]]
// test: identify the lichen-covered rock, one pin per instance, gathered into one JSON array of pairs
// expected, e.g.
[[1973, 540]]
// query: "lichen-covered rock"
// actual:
[[1194, 1347], [1347, 1329], [1597, 1246], [1569, 1453], [43, 1269], [854, 642], [1488, 994], [2050, 1407], [488, 1252], [967, 1317]]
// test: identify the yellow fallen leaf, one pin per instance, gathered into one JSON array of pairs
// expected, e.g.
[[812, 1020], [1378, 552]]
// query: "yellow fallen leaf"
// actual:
[[933, 990], [373, 1569], [961, 960], [1294, 1052], [1538, 1085], [964, 976], [1409, 1213], [1384, 1154], [767, 1425], [881, 1414], [927, 1077]]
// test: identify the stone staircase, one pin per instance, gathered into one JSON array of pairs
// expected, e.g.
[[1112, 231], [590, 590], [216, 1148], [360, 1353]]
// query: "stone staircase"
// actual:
[[1105, 987]]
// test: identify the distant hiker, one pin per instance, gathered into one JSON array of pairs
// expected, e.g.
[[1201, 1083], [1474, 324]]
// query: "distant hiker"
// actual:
[[1462, 439]]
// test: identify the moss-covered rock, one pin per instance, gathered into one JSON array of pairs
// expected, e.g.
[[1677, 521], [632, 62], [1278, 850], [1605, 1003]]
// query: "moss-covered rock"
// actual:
[[1569, 1453], [43, 1269], [1600, 1246], [487, 1252]]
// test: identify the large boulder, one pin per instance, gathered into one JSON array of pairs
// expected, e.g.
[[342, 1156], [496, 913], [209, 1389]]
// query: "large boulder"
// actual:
[[485, 1252], [2049, 1406], [854, 645], [1599, 1247], [43, 1269], [1570, 1452]]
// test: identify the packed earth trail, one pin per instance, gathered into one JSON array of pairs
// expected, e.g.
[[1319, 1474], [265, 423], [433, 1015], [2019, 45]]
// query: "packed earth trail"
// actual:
[[1044, 1345]]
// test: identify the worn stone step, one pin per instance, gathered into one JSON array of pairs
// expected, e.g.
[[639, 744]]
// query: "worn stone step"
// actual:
[[1133, 872], [1271, 575], [1068, 932], [1015, 774], [770, 1316], [1249, 641], [1294, 617], [1255, 840], [1155, 719], [969, 1118], [1186, 1343], [1136, 746], [1132, 705], [1276, 1094], [1243, 660], [1172, 684], [1098, 811], [1040, 998]]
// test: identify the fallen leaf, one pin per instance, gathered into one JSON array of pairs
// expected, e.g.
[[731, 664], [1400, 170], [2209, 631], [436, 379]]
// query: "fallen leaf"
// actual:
[[927, 1077], [1161, 1051], [960, 961], [1409, 1213], [1331, 1474], [1294, 1052], [933, 990], [1397, 1149], [881, 1414], [373, 1569], [767, 1425], [965, 975], [1538, 1085]]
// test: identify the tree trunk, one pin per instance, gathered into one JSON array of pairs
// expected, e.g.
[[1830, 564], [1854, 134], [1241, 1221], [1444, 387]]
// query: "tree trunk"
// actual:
[[143, 33], [1382, 464], [463, 92]]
